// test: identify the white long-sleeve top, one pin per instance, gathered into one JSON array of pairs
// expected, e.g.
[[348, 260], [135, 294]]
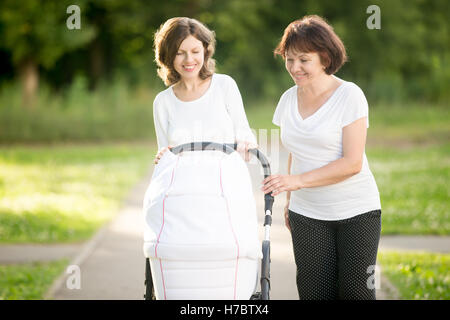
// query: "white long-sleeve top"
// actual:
[[217, 116]]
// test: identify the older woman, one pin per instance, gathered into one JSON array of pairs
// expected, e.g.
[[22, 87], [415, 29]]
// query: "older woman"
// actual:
[[198, 105], [333, 207]]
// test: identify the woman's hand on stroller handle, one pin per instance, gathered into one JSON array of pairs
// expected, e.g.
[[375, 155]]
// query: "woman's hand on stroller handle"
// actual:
[[278, 183], [243, 147], [160, 153]]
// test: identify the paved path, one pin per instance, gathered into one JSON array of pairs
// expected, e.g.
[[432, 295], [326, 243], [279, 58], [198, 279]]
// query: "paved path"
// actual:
[[112, 263], [439, 244], [23, 253]]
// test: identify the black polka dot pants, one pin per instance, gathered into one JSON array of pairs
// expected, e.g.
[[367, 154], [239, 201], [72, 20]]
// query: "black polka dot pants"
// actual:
[[335, 258]]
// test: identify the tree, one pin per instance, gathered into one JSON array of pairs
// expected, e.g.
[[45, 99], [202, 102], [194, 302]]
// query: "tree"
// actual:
[[36, 34]]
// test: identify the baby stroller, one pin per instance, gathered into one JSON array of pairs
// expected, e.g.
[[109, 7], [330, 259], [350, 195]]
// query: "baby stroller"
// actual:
[[200, 239]]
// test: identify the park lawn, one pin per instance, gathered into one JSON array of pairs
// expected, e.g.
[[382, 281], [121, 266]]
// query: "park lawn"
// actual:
[[29, 281], [417, 275], [408, 125], [414, 189], [64, 193]]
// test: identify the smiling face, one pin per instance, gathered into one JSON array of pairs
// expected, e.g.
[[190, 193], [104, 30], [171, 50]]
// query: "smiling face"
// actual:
[[303, 67], [189, 58]]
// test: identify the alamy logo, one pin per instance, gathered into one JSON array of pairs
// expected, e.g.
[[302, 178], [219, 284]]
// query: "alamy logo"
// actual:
[[373, 282], [374, 21], [74, 20], [74, 280]]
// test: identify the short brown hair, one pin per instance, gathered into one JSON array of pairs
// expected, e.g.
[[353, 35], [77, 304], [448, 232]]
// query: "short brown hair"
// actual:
[[168, 39], [313, 34]]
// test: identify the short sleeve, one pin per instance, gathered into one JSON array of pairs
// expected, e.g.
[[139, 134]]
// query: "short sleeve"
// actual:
[[235, 107], [281, 106], [161, 121], [356, 107]]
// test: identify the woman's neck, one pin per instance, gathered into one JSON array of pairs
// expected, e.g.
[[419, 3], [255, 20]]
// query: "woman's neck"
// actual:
[[190, 84], [319, 86], [191, 89]]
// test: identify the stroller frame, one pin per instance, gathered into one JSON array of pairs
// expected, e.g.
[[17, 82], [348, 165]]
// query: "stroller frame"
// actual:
[[268, 204]]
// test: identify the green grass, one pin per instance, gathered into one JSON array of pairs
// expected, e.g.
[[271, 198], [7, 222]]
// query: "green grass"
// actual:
[[64, 193], [260, 115], [408, 125], [414, 188], [417, 275], [28, 281]]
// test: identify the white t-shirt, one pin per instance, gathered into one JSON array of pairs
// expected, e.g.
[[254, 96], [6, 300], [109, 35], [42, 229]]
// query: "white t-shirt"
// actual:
[[217, 116], [316, 141]]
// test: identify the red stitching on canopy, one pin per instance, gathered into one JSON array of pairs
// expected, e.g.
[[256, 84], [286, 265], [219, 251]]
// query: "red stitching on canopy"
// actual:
[[162, 226]]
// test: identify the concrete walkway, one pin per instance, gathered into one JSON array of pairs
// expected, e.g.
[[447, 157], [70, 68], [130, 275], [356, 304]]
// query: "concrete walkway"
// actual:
[[25, 253], [112, 262], [440, 244]]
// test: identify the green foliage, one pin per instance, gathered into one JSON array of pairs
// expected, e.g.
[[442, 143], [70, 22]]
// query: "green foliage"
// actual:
[[418, 275], [113, 112], [37, 30], [408, 59]]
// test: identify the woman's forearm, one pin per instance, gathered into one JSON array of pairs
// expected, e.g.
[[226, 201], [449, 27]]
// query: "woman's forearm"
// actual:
[[334, 172]]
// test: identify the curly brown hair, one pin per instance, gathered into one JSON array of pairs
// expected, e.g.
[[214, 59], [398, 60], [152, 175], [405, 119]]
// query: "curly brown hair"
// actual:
[[168, 39], [313, 34]]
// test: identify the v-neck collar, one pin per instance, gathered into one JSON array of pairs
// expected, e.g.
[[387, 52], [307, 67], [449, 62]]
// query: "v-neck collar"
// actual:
[[322, 107]]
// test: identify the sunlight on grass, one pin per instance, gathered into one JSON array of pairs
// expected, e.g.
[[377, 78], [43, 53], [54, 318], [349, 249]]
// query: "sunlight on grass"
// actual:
[[418, 275], [414, 190], [59, 198]]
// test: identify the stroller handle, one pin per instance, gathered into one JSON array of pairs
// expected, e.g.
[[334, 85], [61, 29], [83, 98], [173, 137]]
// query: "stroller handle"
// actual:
[[227, 148]]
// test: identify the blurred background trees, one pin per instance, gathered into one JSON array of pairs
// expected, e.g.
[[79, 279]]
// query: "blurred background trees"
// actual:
[[407, 60], [33, 37]]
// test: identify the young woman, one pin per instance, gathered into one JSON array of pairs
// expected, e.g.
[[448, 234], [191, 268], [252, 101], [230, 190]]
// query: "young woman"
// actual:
[[198, 105], [333, 207]]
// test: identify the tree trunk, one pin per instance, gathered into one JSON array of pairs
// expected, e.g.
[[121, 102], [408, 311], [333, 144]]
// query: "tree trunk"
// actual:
[[29, 77], [97, 62]]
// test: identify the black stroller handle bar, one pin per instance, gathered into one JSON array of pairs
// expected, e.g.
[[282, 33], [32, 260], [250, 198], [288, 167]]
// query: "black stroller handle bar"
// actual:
[[227, 148]]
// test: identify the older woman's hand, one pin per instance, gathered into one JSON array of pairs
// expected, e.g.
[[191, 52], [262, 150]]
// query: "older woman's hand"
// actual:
[[281, 182], [160, 153]]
